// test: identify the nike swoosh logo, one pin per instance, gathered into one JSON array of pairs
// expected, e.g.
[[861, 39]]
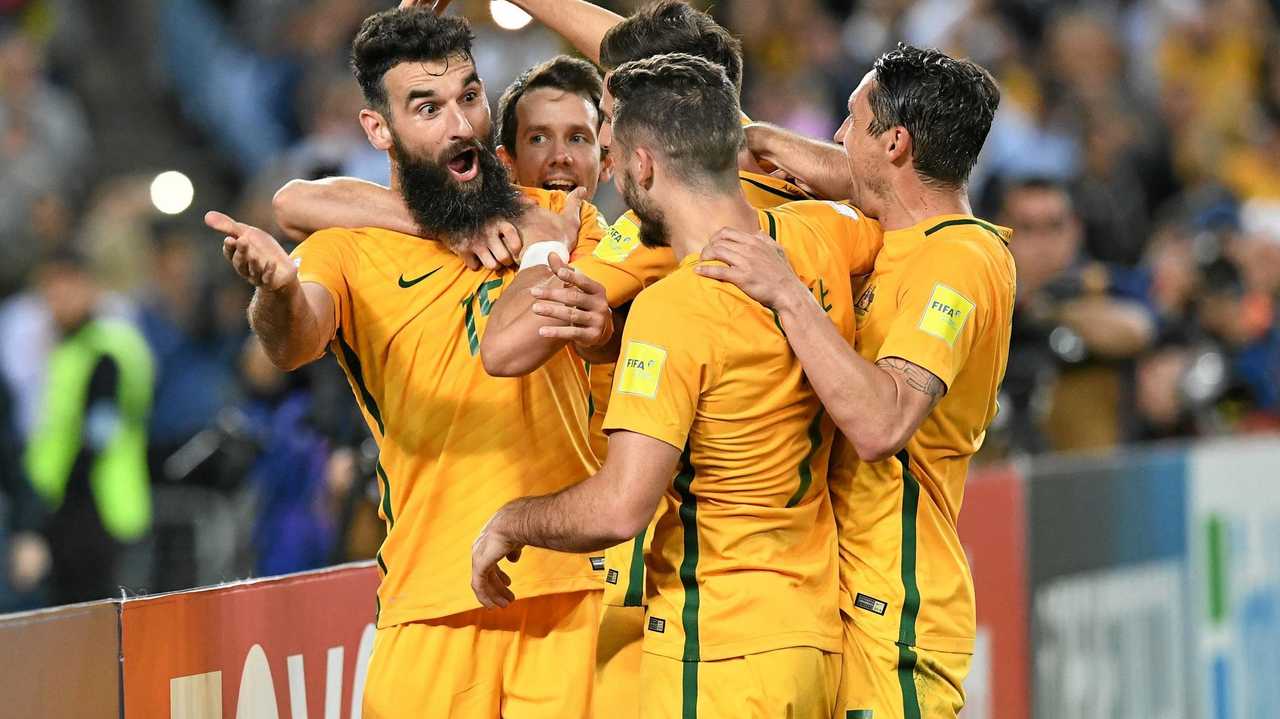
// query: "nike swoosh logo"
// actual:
[[410, 283]]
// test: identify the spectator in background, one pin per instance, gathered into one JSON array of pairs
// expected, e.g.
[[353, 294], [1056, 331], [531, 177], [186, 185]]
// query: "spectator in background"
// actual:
[[194, 354], [1076, 325], [87, 458], [297, 479], [44, 148]]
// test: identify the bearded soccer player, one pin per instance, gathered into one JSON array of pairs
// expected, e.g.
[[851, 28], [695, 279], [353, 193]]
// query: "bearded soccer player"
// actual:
[[404, 315], [745, 619], [916, 394]]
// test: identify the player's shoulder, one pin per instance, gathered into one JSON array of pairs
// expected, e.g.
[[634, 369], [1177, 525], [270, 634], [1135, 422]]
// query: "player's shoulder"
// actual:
[[966, 240], [681, 293], [823, 210], [967, 250], [620, 240]]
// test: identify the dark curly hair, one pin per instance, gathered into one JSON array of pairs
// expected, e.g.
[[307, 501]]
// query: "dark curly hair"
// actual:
[[946, 104], [562, 72], [672, 26], [391, 37], [687, 108]]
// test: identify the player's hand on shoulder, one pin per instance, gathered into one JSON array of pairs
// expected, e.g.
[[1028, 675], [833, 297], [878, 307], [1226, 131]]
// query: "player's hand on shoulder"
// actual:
[[578, 305], [255, 255], [497, 245], [753, 262]]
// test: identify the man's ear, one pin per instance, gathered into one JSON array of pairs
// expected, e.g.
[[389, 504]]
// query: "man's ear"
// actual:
[[606, 167], [644, 168], [507, 159], [376, 128], [898, 145]]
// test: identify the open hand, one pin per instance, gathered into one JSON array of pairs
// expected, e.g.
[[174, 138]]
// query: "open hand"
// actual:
[[498, 245], [255, 255], [753, 262], [580, 307]]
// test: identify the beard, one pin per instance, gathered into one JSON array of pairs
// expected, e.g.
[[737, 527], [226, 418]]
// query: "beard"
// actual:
[[653, 223], [446, 209]]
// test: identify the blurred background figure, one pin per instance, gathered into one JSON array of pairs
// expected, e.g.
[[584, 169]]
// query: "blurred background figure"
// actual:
[[87, 455], [1078, 324], [298, 480]]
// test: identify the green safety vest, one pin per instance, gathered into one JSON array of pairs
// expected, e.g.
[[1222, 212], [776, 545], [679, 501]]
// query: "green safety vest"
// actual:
[[119, 479]]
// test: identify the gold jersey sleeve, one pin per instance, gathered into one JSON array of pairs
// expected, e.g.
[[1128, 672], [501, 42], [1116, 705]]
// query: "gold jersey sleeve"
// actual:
[[453, 442], [941, 297], [743, 554]]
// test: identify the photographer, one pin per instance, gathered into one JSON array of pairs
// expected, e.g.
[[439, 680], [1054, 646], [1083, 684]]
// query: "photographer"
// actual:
[[1077, 326]]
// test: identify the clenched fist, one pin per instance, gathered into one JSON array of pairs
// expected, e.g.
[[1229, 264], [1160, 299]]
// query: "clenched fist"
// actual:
[[255, 255]]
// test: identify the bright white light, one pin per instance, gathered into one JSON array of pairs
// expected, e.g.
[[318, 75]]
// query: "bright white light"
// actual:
[[172, 192], [508, 16]]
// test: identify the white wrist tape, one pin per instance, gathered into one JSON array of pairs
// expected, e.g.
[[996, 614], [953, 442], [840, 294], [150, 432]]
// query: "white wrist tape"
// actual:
[[539, 253]]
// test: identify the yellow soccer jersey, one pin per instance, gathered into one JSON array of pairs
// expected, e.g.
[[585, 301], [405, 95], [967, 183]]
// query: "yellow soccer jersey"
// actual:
[[941, 297], [625, 267], [455, 444], [743, 559]]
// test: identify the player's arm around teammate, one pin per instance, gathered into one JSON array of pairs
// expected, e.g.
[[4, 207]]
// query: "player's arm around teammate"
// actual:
[[303, 207], [522, 332], [609, 507], [877, 406], [822, 167]]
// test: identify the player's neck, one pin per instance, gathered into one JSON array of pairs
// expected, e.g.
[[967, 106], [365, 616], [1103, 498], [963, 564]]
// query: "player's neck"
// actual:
[[695, 217], [911, 202]]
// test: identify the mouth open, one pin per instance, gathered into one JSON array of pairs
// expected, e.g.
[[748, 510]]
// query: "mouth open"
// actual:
[[465, 165], [560, 184]]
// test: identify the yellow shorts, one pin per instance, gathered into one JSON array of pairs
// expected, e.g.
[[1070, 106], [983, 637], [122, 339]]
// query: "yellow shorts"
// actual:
[[797, 682], [533, 659], [884, 680], [618, 653]]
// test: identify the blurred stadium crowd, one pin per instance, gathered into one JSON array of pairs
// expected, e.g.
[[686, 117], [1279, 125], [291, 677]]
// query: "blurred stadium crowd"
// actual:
[[1136, 154]]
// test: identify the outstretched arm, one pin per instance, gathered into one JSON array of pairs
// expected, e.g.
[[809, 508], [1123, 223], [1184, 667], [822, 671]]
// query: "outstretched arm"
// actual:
[[582, 23], [609, 507], [293, 319], [821, 166]]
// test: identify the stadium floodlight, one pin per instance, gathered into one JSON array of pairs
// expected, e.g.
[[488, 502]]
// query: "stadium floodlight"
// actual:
[[172, 192], [508, 16]]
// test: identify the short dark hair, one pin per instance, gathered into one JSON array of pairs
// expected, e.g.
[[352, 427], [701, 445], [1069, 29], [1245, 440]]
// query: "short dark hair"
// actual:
[[562, 72], [391, 37], [687, 107], [672, 26], [946, 104]]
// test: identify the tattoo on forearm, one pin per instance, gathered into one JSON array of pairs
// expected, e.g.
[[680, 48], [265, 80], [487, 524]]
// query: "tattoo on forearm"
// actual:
[[916, 377]]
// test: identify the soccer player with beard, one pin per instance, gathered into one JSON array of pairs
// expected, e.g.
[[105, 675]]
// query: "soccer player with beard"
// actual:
[[404, 316], [744, 619]]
